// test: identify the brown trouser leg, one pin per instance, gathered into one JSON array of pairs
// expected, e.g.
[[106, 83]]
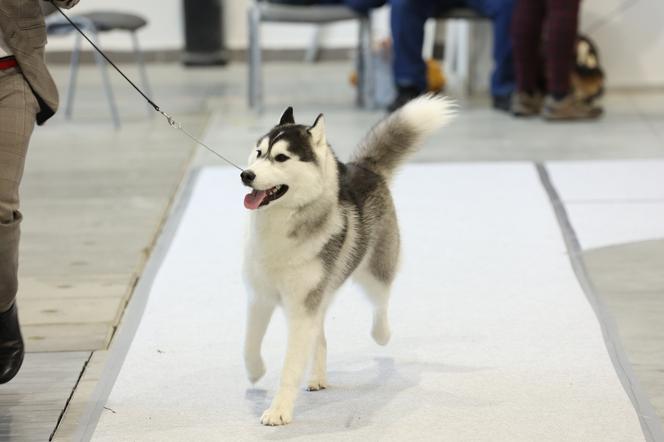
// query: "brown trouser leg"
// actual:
[[18, 107]]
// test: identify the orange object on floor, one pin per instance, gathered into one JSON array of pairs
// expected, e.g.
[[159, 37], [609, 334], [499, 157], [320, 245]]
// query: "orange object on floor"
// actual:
[[435, 76]]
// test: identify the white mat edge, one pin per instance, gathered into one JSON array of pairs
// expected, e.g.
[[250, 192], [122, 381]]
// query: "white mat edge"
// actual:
[[134, 310], [650, 423]]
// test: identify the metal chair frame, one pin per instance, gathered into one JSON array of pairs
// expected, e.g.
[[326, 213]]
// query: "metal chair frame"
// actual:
[[260, 12], [459, 61], [61, 27]]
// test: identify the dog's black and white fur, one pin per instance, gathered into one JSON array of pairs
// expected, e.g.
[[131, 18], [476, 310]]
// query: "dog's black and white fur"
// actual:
[[316, 222]]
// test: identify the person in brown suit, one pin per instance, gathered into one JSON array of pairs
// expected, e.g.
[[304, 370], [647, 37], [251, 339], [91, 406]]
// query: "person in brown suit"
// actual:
[[27, 95]]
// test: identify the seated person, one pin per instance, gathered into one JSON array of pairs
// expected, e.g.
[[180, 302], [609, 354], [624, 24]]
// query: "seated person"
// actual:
[[407, 21]]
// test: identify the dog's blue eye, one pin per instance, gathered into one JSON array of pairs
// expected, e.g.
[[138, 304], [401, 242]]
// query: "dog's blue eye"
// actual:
[[281, 158]]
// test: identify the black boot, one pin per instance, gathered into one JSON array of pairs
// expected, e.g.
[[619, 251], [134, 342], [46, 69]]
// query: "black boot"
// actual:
[[11, 345], [404, 95], [502, 103]]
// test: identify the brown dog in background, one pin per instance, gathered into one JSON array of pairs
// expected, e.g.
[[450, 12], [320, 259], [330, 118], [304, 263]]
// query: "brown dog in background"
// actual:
[[587, 75]]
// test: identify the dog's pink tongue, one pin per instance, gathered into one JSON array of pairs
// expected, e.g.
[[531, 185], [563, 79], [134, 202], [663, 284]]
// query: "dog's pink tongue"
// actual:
[[254, 199]]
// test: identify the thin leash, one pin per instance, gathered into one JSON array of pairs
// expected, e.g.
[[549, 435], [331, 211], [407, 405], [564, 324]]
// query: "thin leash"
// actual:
[[171, 121], [605, 19]]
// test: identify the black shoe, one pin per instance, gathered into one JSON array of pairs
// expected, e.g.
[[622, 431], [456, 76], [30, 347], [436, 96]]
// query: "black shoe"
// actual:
[[404, 95], [11, 345], [502, 103]]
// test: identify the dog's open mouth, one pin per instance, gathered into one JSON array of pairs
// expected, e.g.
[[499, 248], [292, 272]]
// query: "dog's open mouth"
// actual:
[[260, 198]]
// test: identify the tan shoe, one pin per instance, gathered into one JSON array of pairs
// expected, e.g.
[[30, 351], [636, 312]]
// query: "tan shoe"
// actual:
[[569, 108], [526, 105]]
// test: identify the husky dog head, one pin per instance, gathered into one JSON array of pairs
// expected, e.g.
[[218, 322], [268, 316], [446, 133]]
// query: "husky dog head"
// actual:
[[287, 167]]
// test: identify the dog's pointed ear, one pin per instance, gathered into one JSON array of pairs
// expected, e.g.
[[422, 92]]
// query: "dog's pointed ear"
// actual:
[[287, 117], [317, 130]]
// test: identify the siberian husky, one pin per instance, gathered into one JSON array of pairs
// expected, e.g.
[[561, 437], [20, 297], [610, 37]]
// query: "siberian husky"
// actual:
[[315, 222]]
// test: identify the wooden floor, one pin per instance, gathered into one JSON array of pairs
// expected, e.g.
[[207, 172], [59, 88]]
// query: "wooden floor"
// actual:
[[94, 199], [30, 405]]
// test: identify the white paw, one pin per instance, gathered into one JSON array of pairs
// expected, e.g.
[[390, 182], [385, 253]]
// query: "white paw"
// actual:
[[317, 384], [381, 330], [255, 369], [276, 415]]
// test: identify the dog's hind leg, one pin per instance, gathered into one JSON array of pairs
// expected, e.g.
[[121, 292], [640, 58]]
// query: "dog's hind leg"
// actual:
[[375, 275], [302, 332], [259, 313], [318, 380], [378, 269], [378, 293]]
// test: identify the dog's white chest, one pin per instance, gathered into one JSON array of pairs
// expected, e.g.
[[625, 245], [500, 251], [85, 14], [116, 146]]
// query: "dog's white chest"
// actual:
[[276, 260]]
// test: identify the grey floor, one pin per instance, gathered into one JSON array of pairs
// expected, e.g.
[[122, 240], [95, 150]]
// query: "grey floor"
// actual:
[[95, 198]]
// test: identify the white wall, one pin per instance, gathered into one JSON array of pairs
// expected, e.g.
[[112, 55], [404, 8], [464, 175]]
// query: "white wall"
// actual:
[[631, 44], [164, 30]]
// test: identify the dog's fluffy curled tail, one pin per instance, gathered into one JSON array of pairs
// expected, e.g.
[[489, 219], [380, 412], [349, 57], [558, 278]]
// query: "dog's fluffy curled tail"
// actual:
[[388, 144]]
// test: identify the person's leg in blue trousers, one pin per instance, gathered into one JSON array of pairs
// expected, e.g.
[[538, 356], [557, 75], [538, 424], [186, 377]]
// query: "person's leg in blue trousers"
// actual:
[[407, 18], [407, 21], [500, 13], [407, 24]]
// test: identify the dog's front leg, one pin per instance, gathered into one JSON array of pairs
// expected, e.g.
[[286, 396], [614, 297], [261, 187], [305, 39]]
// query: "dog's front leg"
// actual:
[[302, 331], [318, 380], [259, 312]]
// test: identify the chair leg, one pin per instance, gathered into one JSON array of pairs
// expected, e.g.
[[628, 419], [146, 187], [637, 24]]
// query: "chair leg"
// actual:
[[73, 71], [429, 39], [140, 61], [254, 62], [365, 85], [480, 44], [361, 71], [457, 57], [464, 55], [313, 50], [450, 57], [101, 63], [370, 67]]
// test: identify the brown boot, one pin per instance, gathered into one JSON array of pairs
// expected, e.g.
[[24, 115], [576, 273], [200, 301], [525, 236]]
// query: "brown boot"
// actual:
[[11, 345], [9, 239], [569, 108], [11, 342], [526, 105]]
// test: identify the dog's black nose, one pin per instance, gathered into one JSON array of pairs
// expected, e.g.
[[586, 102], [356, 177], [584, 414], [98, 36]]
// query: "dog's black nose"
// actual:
[[247, 176]]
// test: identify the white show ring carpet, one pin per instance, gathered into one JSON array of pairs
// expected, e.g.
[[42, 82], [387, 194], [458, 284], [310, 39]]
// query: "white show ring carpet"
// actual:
[[493, 339]]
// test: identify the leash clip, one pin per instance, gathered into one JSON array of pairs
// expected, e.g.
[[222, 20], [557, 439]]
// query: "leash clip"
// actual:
[[171, 121]]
